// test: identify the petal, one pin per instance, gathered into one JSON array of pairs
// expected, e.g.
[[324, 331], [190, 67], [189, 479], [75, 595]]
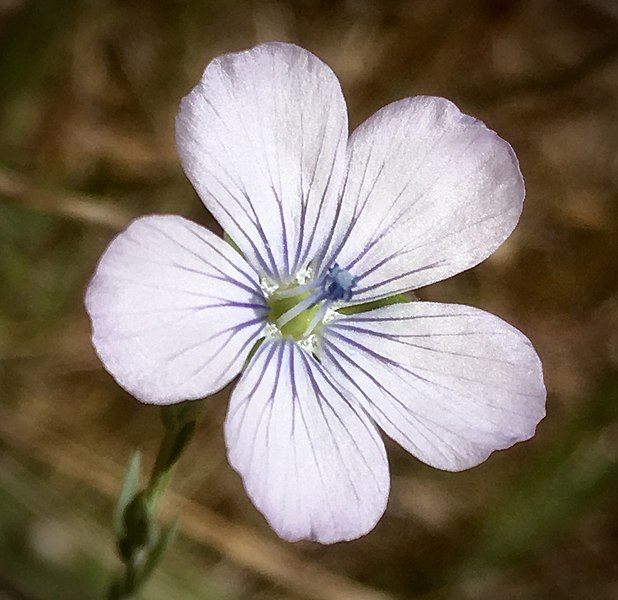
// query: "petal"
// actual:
[[450, 383], [429, 193], [312, 463], [174, 309], [262, 138]]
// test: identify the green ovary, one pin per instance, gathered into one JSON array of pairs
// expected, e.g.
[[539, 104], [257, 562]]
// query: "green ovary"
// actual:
[[297, 326]]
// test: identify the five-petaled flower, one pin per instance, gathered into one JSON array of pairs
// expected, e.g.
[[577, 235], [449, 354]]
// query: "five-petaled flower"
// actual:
[[330, 232]]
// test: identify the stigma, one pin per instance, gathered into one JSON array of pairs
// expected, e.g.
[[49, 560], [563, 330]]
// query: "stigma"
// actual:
[[338, 284]]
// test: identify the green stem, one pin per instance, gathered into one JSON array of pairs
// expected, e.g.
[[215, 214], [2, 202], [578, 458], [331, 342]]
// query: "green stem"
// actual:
[[140, 540]]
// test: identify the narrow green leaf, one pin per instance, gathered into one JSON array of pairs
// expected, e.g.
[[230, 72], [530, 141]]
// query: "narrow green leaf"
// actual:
[[138, 524], [166, 537], [128, 490]]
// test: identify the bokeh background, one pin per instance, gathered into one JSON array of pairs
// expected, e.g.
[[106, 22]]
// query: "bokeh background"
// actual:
[[88, 95]]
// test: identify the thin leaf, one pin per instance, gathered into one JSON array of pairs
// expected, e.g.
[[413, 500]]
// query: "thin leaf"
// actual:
[[129, 489], [138, 525], [166, 537]]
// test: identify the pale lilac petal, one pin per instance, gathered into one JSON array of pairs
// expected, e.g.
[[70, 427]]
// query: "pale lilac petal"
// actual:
[[450, 383], [262, 137], [429, 193], [312, 463], [174, 309]]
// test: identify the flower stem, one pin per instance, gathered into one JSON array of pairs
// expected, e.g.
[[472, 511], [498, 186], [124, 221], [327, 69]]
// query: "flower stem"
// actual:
[[140, 540]]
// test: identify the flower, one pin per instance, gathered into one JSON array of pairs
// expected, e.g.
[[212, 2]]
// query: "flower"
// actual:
[[308, 301]]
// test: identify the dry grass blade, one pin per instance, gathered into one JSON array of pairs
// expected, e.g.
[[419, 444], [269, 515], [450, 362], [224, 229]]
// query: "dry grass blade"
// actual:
[[87, 209]]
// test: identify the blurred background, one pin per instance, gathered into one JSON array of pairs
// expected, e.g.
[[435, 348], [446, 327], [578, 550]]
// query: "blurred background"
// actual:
[[88, 95]]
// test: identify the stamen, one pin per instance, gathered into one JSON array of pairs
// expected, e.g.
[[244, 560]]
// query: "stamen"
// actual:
[[296, 291], [317, 318]]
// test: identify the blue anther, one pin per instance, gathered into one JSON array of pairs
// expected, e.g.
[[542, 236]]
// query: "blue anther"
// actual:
[[338, 284]]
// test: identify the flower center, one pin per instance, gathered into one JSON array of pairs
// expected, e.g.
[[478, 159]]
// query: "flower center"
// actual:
[[286, 305], [297, 310]]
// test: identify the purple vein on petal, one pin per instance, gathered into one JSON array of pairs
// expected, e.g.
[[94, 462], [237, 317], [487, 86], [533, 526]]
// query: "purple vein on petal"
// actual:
[[323, 400], [376, 405], [393, 363]]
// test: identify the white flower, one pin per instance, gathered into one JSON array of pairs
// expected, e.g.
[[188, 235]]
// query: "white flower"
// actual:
[[418, 193]]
